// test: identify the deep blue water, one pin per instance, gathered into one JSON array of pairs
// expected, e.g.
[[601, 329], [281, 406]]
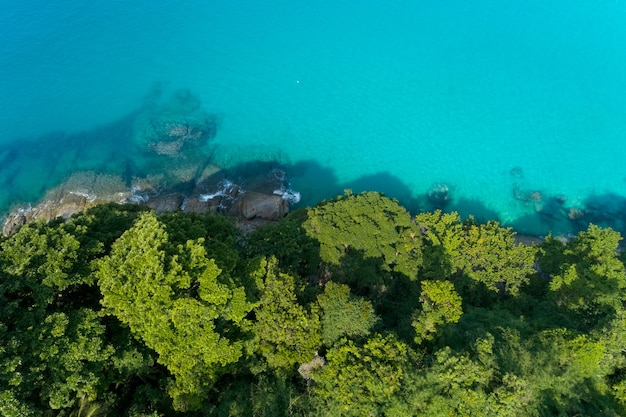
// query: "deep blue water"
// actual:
[[518, 108]]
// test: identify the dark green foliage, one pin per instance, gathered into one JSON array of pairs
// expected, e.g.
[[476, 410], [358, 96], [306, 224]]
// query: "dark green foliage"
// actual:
[[105, 223], [57, 351], [219, 234], [349, 308], [344, 315], [296, 252]]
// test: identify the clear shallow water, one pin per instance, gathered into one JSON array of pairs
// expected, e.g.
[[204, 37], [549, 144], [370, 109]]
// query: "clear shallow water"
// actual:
[[496, 101]]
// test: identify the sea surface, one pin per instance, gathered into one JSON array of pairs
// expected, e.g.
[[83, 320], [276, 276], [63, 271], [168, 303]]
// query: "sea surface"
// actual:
[[506, 110]]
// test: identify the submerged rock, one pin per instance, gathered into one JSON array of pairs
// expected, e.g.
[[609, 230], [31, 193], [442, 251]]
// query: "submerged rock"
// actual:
[[176, 127], [169, 137], [575, 213], [439, 195], [517, 172], [526, 195]]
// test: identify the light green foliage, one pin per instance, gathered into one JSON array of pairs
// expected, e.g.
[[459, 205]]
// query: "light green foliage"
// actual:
[[285, 333], [592, 278], [152, 292], [440, 305], [363, 380], [375, 225], [491, 256], [619, 391], [443, 239], [39, 253], [485, 253], [12, 407], [73, 348], [344, 315], [287, 241]]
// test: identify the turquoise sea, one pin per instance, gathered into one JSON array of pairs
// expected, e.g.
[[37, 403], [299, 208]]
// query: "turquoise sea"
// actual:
[[507, 110]]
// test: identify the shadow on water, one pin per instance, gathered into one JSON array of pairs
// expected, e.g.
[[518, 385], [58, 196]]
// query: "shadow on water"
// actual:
[[607, 210], [159, 141], [547, 214], [468, 207], [30, 167]]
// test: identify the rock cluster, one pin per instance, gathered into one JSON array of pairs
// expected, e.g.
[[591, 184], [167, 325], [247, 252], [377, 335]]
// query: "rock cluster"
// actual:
[[81, 191], [84, 190]]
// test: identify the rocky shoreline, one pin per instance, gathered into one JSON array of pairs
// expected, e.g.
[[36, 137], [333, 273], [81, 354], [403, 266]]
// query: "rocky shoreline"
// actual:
[[159, 159], [267, 202]]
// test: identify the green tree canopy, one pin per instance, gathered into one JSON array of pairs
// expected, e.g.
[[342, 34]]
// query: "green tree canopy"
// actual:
[[349, 308], [364, 380], [375, 225], [285, 333], [343, 314], [172, 302], [485, 253], [440, 305], [591, 278]]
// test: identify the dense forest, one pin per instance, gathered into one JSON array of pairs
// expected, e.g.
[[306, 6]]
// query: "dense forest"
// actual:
[[352, 308]]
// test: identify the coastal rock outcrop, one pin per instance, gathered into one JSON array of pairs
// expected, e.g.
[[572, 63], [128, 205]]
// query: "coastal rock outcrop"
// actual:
[[84, 190], [81, 191], [258, 205], [166, 203], [14, 221]]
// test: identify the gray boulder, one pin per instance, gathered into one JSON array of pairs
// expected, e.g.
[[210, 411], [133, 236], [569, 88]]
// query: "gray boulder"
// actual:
[[258, 205]]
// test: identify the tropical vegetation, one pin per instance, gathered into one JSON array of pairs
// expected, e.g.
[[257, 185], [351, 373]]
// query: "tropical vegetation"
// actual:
[[354, 307]]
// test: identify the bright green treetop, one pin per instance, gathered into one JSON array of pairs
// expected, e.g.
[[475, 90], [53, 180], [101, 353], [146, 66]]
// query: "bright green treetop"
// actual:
[[172, 301], [440, 305], [485, 253], [285, 332]]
